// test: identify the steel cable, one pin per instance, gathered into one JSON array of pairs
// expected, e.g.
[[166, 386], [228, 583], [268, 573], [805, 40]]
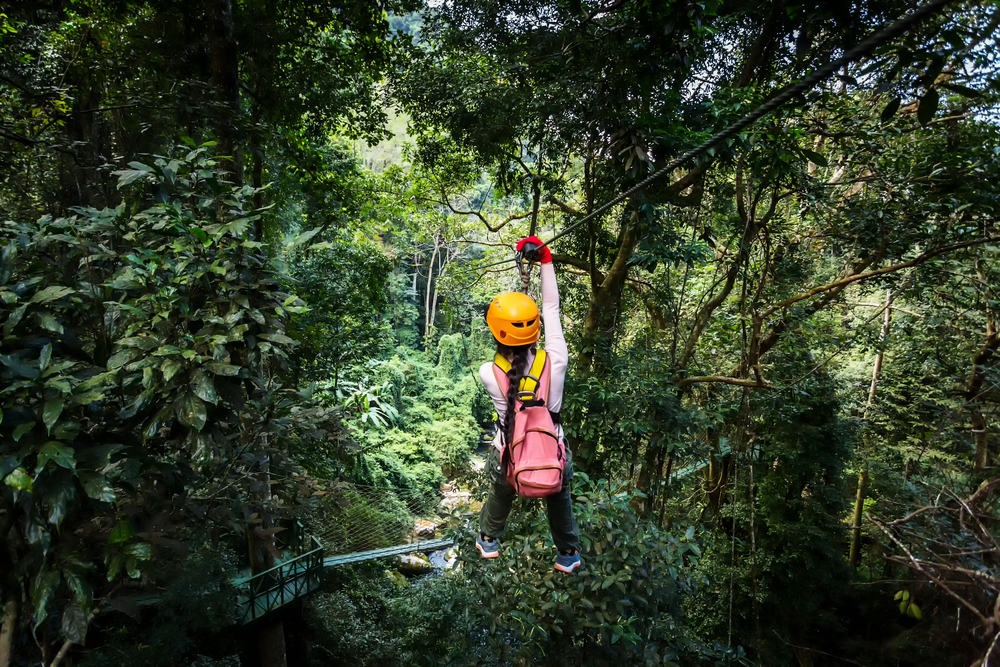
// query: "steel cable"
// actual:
[[864, 48]]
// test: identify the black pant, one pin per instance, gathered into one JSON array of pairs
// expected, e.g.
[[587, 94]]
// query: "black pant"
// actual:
[[558, 506]]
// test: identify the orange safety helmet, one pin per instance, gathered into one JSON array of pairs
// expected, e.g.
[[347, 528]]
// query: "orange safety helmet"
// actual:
[[513, 319]]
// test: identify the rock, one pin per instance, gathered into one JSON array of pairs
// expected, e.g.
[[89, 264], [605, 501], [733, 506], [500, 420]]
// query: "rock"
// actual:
[[397, 578], [412, 564], [425, 529], [444, 559], [455, 499]]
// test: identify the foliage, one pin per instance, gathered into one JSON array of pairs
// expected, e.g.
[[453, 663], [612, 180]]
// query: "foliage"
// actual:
[[192, 608], [365, 618], [139, 349], [621, 607]]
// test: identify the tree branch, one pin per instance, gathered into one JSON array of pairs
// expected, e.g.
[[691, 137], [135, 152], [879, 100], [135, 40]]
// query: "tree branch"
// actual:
[[930, 254], [988, 623], [724, 379]]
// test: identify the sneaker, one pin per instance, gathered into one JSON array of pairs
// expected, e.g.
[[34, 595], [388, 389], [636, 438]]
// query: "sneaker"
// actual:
[[487, 547], [567, 562]]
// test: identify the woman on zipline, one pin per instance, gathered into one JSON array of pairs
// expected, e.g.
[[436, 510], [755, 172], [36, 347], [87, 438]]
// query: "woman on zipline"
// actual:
[[513, 320]]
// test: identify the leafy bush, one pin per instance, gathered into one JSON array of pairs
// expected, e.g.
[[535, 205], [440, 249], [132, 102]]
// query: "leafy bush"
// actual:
[[140, 345], [363, 618], [621, 607]]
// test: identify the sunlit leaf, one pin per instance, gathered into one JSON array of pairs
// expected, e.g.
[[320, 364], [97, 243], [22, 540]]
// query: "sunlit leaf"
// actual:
[[191, 411], [204, 386], [58, 453], [222, 369], [52, 293], [95, 485], [19, 479]]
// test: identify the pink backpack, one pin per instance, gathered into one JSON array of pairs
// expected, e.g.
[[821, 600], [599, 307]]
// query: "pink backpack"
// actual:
[[536, 457]]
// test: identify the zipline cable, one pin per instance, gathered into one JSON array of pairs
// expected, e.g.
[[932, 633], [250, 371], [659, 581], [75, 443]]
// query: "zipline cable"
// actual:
[[864, 48]]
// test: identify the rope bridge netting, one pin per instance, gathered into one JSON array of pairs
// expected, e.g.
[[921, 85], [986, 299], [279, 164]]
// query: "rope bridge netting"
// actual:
[[352, 518]]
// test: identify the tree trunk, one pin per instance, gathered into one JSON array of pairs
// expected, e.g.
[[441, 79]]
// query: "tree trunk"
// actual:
[[535, 204], [859, 503], [262, 547], [859, 506], [11, 612], [980, 432], [224, 60], [271, 643], [427, 297], [602, 314]]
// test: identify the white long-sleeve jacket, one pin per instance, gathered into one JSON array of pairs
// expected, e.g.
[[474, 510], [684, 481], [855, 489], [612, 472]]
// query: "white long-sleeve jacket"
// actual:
[[555, 348]]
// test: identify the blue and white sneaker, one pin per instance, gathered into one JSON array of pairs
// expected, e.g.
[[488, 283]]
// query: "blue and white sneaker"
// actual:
[[567, 562], [487, 547]]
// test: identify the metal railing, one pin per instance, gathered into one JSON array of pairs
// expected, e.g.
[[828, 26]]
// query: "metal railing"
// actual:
[[287, 581]]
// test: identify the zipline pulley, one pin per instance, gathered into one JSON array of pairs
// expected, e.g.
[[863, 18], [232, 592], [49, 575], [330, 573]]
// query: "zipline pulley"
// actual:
[[524, 258]]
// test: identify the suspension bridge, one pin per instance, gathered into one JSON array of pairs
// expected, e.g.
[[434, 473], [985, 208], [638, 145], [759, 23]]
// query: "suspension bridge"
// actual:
[[358, 524]]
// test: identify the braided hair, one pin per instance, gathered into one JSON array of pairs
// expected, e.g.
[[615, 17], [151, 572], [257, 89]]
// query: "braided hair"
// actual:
[[518, 367]]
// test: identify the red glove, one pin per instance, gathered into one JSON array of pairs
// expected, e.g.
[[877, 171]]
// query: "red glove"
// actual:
[[543, 254]]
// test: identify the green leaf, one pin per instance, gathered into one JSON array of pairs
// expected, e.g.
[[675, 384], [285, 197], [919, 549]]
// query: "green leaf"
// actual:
[[204, 387], [95, 485], [14, 319], [83, 593], [278, 338], [191, 411], [47, 321], [142, 167], [121, 533], [962, 90], [303, 237], [914, 611], [52, 293], [22, 429], [222, 369], [19, 479], [127, 176], [74, 624], [928, 106], [122, 357], [45, 357], [169, 368], [815, 157], [19, 367], [141, 550], [58, 453], [890, 109], [50, 413], [43, 590], [58, 499], [8, 257], [144, 343]]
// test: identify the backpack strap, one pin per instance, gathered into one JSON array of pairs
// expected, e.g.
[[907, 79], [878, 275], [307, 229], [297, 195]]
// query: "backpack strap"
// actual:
[[533, 387], [531, 384]]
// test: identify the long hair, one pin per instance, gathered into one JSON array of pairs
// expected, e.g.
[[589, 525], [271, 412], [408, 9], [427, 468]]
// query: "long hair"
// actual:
[[518, 367]]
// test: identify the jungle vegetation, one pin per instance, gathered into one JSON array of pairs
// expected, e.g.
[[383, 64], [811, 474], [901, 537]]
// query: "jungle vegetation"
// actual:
[[240, 251]]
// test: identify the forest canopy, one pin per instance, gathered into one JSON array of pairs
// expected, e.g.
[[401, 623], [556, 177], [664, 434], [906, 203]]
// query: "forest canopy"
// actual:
[[245, 253]]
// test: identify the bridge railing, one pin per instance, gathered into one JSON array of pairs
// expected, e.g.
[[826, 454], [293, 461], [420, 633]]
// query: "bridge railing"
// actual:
[[287, 581]]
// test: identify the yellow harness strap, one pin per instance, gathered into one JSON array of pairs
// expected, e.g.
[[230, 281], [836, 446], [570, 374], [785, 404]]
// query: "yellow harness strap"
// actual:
[[529, 383]]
